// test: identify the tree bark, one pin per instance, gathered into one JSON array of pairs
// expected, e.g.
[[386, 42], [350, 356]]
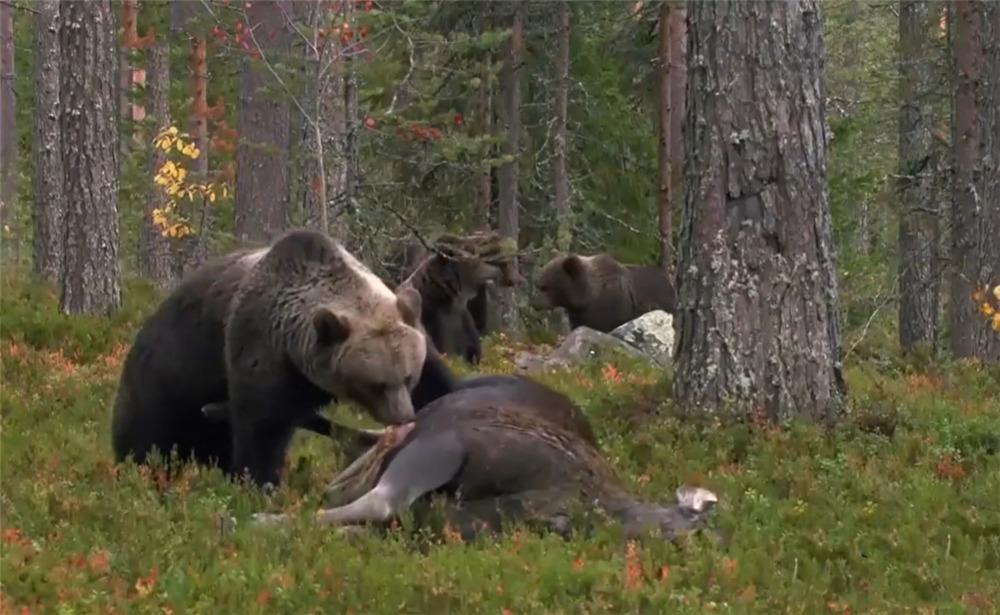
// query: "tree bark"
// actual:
[[8, 118], [484, 192], [920, 287], [759, 328], [678, 94], [89, 70], [156, 257], [665, 128], [988, 341], [564, 228], [508, 222], [262, 155], [973, 240], [49, 206]]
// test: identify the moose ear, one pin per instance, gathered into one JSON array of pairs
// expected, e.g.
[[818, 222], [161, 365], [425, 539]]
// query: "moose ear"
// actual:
[[697, 499], [573, 266], [409, 304], [330, 328]]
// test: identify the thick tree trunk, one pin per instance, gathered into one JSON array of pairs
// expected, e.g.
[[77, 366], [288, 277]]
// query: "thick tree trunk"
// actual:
[[973, 240], [564, 228], [988, 342], [8, 118], [49, 206], [262, 155], [155, 253], [89, 70], [759, 328], [920, 288], [508, 222]]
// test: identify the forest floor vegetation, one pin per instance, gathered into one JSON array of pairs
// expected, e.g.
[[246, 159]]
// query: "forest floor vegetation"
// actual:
[[897, 510]]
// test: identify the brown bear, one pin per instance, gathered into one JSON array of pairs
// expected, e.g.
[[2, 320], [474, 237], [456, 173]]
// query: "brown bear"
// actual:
[[327, 347], [601, 293], [487, 245], [446, 281]]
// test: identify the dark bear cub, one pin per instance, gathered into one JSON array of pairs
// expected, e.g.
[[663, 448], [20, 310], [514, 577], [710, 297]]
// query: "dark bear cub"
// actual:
[[177, 364], [487, 245], [446, 280], [601, 293]]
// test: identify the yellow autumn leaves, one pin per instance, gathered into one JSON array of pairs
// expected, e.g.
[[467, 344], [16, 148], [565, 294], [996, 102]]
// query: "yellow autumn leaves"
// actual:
[[172, 177], [986, 308]]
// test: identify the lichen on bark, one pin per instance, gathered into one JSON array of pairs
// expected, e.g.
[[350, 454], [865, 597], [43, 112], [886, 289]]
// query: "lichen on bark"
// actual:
[[758, 318]]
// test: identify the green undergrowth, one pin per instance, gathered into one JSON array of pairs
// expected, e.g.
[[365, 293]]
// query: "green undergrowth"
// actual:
[[896, 511]]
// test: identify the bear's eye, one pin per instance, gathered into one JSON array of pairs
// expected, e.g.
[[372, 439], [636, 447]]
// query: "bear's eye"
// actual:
[[408, 381], [543, 288]]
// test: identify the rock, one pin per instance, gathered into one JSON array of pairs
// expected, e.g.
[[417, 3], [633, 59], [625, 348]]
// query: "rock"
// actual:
[[582, 344], [652, 333]]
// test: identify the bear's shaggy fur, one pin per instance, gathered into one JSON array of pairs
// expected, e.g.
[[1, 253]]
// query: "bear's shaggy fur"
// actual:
[[488, 246], [446, 281], [310, 322], [177, 365], [600, 293]]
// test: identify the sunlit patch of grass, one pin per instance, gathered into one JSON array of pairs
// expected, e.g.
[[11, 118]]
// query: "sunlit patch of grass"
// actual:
[[894, 511]]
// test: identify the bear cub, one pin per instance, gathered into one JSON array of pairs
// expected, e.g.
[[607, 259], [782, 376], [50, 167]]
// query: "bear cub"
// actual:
[[600, 293], [446, 281]]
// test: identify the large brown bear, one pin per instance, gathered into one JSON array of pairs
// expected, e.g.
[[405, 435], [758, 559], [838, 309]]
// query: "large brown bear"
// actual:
[[446, 281], [601, 293], [305, 323]]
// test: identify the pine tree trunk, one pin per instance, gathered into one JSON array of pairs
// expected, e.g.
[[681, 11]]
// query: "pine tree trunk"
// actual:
[[988, 347], [919, 286], [262, 155], [758, 325], [89, 71], [49, 206], [508, 222], [678, 96], [665, 128], [8, 119], [974, 245], [156, 257], [564, 228]]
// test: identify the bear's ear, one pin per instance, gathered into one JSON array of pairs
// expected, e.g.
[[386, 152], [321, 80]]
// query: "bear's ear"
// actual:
[[330, 328], [574, 267], [409, 303]]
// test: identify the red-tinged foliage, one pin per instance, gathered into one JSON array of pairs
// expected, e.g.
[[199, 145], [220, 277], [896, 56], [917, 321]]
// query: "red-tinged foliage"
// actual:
[[458, 119], [370, 122], [947, 469]]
